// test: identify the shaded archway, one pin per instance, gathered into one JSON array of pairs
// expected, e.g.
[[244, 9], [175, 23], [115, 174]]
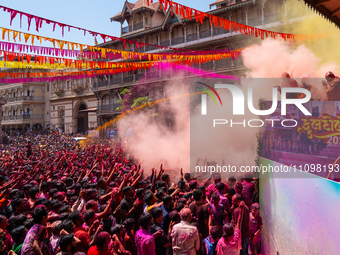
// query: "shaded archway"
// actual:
[[82, 118], [37, 126]]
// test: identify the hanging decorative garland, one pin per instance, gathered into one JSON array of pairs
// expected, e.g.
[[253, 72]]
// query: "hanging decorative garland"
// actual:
[[39, 21], [93, 52], [186, 12], [215, 21]]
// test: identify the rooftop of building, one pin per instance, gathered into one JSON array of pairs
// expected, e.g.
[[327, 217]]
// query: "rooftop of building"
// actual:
[[330, 9], [133, 7]]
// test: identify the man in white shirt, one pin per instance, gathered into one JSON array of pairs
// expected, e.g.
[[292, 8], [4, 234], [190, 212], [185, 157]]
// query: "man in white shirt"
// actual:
[[185, 237]]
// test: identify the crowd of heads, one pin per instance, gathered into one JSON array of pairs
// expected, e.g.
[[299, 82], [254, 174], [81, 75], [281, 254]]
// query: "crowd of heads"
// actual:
[[60, 197]]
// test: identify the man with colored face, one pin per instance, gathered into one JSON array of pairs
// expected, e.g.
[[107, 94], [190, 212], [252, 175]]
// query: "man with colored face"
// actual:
[[212, 188]]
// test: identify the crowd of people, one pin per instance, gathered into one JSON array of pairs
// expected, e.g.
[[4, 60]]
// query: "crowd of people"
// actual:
[[61, 198], [331, 87]]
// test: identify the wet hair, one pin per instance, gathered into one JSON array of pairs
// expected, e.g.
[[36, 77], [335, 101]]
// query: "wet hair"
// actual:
[[70, 193], [16, 203], [165, 176], [52, 192], [215, 232], [180, 206], [159, 195], [193, 184], [20, 219], [220, 186], [85, 185], [74, 216], [68, 181], [27, 187], [29, 223], [161, 184], [33, 191], [231, 191], [18, 233], [65, 241], [63, 216], [166, 200], [88, 215], [73, 199], [64, 209], [44, 185], [42, 201], [148, 197], [116, 229], [141, 184], [56, 230], [156, 212], [56, 204], [89, 204], [139, 192], [16, 193], [67, 225], [171, 190], [197, 194], [77, 186], [38, 213], [129, 223], [228, 230], [60, 186], [126, 189], [145, 220]]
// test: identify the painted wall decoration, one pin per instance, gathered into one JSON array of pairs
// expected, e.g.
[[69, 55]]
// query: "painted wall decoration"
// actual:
[[313, 143], [300, 215]]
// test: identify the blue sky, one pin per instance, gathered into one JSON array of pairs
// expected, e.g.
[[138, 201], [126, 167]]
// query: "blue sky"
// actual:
[[92, 15]]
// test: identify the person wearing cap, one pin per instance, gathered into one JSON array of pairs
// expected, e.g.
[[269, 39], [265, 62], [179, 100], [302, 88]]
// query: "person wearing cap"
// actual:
[[255, 228]]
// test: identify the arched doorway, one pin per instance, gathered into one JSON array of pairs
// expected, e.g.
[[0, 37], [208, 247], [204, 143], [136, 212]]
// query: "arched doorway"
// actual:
[[82, 118], [37, 126]]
